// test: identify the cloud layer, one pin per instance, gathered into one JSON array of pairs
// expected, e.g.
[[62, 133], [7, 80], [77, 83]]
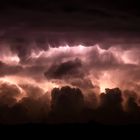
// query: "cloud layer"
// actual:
[[29, 104], [70, 84], [75, 55]]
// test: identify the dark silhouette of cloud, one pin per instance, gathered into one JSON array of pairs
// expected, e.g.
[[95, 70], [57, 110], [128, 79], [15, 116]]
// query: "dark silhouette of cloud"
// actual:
[[111, 106], [67, 105], [65, 69]]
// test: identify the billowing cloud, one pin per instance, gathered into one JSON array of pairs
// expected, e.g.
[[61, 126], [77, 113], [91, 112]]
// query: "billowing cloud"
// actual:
[[9, 94], [63, 56], [77, 64], [29, 104], [22, 103]]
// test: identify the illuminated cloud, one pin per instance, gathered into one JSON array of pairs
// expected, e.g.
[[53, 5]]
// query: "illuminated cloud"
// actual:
[[7, 56], [62, 55], [70, 64]]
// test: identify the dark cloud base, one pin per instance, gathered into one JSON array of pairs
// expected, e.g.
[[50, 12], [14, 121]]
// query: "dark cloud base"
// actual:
[[67, 105]]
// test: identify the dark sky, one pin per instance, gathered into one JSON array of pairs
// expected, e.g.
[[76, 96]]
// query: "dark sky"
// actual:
[[70, 21]]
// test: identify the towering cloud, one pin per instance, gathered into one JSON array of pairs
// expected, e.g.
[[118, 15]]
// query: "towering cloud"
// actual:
[[66, 104], [56, 61]]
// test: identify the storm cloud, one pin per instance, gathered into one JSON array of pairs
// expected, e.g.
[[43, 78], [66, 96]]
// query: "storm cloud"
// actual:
[[66, 105], [69, 61]]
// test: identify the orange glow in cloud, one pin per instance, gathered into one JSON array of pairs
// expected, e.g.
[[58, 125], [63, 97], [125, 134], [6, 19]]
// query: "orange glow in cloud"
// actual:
[[11, 59], [127, 56], [7, 56], [106, 81], [17, 80], [70, 53], [81, 52], [12, 81]]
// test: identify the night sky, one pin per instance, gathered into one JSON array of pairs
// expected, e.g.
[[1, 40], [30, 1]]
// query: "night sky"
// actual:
[[69, 61]]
